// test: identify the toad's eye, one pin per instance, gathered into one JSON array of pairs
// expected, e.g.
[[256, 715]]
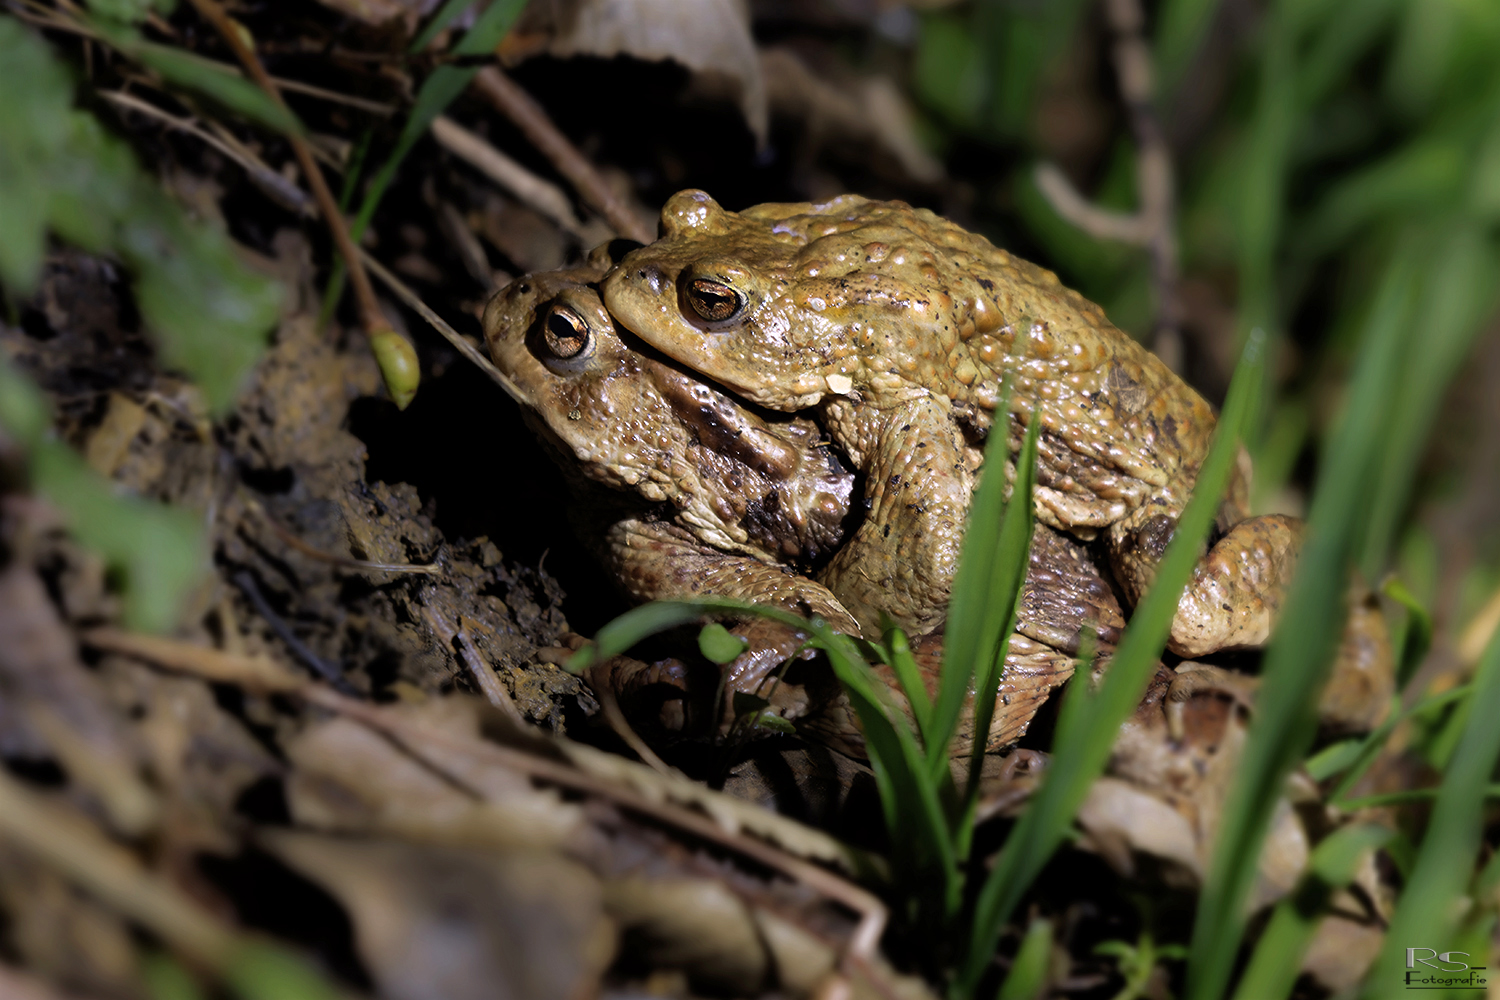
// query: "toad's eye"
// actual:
[[712, 300], [565, 333]]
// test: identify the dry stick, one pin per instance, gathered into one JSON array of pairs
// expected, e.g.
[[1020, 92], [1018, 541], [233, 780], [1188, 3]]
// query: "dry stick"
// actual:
[[364, 294], [532, 120], [536, 193], [42, 15], [458, 340], [484, 673], [75, 848], [623, 729], [256, 166], [1153, 226], [268, 179], [872, 912], [1154, 180]]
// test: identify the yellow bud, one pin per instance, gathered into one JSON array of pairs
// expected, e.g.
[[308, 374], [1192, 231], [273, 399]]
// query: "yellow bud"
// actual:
[[398, 365]]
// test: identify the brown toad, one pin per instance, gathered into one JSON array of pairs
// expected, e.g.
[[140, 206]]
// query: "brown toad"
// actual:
[[705, 496], [898, 328]]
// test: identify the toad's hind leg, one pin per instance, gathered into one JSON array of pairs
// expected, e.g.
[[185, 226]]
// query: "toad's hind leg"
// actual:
[[1234, 595]]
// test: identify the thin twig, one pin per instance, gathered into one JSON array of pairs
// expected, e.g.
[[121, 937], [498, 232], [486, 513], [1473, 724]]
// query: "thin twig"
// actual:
[[622, 727], [532, 120], [273, 183], [458, 340], [71, 845], [481, 669], [1154, 176], [255, 165], [46, 17], [328, 671], [1154, 224], [364, 293], [541, 195]]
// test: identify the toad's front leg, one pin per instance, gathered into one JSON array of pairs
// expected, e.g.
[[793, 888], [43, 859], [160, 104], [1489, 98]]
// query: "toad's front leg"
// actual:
[[1234, 595], [657, 560], [902, 558]]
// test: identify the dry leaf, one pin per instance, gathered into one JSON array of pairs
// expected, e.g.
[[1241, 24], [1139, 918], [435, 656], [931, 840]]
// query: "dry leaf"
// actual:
[[707, 36], [436, 923]]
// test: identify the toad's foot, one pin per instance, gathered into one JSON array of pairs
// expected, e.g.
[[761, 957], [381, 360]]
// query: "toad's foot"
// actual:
[[1236, 590], [1356, 699], [1193, 679]]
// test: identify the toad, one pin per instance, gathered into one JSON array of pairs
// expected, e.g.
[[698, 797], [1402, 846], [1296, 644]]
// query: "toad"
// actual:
[[704, 495], [896, 328]]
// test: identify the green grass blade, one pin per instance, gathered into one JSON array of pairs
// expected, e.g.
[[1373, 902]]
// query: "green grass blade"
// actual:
[[1274, 967], [1458, 296], [438, 91], [213, 80], [1372, 744], [1302, 649], [1416, 637], [444, 17], [1028, 973], [1092, 720], [978, 611], [898, 650], [1010, 560], [1426, 916], [909, 798]]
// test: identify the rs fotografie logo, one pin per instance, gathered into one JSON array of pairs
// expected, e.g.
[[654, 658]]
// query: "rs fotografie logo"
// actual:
[[1428, 969]]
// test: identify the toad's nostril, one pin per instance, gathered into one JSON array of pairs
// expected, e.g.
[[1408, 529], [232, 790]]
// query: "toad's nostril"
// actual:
[[653, 278]]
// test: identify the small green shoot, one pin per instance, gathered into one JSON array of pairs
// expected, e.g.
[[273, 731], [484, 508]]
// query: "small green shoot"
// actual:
[[438, 91], [1138, 961], [717, 645], [1029, 972]]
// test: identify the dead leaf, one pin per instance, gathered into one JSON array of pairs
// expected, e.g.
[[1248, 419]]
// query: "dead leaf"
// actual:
[[706, 36], [435, 923], [348, 778]]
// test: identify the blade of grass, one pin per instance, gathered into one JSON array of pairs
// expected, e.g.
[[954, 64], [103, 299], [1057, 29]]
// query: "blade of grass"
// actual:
[[1302, 649], [444, 17], [1090, 721], [1277, 961], [1372, 744], [1416, 635], [976, 622], [1010, 559], [909, 798], [1028, 973], [1459, 294], [1426, 915], [905, 667], [437, 92]]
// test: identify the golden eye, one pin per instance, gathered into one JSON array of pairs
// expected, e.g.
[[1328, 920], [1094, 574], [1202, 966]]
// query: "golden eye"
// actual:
[[712, 300], [565, 333]]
